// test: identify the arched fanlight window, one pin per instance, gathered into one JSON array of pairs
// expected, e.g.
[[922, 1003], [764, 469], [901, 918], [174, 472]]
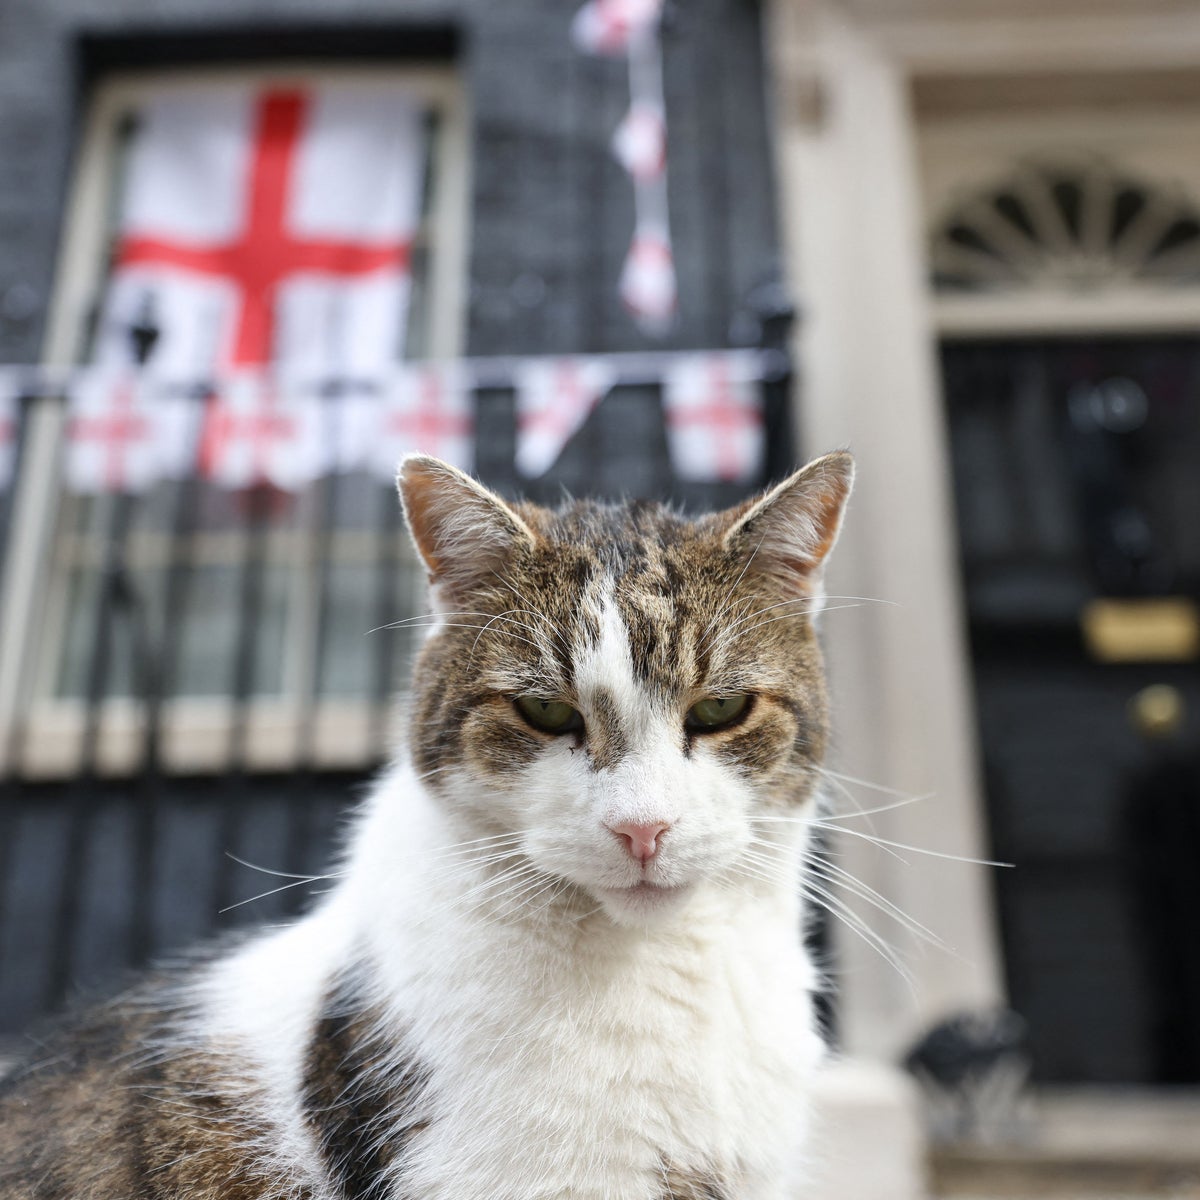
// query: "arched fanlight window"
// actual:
[[1079, 226]]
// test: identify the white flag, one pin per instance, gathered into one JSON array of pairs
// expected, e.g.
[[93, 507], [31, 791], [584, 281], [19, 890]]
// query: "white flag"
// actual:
[[608, 26], [554, 398], [353, 422], [640, 141], [648, 281], [713, 409], [267, 226], [125, 432], [9, 404], [258, 431], [427, 408]]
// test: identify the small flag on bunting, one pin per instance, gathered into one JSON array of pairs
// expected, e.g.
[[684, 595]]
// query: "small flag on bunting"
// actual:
[[554, 398], [640, 141], [256, 432], [8, 429], [608, 26], [647, 285], [123, 435], [714, 419], [427, 409]]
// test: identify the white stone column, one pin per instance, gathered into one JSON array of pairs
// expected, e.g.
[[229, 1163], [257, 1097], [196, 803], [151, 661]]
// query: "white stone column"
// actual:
[[868, 379]]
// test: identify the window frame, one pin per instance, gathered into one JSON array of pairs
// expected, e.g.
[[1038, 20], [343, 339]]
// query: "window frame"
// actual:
[[47, 734]]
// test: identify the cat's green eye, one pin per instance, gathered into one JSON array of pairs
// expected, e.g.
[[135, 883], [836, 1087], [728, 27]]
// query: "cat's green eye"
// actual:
[[715, 711], [550, 716]]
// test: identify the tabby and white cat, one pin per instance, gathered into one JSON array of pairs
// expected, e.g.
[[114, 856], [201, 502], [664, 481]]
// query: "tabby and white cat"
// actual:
[[564, 957]]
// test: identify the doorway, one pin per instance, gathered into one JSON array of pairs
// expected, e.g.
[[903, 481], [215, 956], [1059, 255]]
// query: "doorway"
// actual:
[[1076, 469]]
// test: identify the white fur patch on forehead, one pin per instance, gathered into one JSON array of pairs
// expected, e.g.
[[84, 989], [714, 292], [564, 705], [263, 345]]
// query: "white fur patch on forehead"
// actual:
[[603, 666]]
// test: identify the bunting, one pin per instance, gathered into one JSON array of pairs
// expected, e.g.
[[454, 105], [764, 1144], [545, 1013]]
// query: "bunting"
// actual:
[[647, 285], [122, 435], [714, 419], [554, 398], [126, 429], [9, 412], [427, 409], [256, 432]]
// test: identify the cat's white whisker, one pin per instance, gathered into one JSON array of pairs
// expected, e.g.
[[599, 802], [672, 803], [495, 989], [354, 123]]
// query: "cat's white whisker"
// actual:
[[881, 808], [274, 892], [855, 804], [729, 630], [302, 878], [786, 617], [836, 907], [886, 842], [728, 601], [875, 787], [840, 877]]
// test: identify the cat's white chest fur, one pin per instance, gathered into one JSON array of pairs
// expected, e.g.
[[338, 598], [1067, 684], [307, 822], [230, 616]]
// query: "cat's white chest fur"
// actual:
[[584, 1070], [566, 1060]]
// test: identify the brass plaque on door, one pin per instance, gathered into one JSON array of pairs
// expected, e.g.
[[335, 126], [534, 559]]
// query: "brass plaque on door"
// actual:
[[1162, 629]]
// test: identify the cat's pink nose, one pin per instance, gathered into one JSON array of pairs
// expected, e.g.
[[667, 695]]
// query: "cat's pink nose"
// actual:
[[640, 840]]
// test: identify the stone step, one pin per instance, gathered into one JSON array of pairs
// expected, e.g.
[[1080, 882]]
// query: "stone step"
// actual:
[[1085, 1144]]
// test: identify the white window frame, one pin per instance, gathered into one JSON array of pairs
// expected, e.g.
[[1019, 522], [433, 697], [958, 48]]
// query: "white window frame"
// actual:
[[197, 731]]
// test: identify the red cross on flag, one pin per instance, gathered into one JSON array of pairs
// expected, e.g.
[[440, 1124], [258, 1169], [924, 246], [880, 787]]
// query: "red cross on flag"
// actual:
[[123, 435], [429, 408], [268, 226], [554, 398], [8, 430], [714, 418], [257, 432]]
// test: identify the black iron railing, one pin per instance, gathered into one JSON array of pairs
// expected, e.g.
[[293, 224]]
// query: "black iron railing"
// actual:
[[120, 838]]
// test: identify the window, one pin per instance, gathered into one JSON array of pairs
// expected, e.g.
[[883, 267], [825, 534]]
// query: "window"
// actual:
[[249, 610]]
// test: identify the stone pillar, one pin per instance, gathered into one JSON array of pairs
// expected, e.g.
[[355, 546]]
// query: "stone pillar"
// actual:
[[869, 380]]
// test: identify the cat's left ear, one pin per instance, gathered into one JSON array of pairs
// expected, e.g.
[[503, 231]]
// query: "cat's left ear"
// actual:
[[791, 529], [464, 533]]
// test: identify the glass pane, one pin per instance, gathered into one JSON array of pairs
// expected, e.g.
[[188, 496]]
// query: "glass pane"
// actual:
[[214, 635]]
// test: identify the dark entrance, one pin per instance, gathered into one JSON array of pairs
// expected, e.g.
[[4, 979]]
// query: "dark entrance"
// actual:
[[1077, 478]]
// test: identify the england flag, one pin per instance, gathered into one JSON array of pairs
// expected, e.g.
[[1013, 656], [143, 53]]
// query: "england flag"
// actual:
[[427, 408], [555, 396], [267, 226], [714, 418], [257, 431], [125, 432]]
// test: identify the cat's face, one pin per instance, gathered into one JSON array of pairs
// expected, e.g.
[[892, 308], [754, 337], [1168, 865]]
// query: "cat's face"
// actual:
[[621, 689]]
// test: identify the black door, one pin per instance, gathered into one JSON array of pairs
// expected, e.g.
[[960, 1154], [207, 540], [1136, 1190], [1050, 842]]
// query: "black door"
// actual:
[[1077, 479]]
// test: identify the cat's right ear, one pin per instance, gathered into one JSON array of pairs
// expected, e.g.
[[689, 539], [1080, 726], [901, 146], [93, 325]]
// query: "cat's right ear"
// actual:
[[463, 533], [790, 530]]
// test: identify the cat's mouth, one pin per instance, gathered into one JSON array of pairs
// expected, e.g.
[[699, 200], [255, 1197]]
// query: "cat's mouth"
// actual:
[[644, 896]]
